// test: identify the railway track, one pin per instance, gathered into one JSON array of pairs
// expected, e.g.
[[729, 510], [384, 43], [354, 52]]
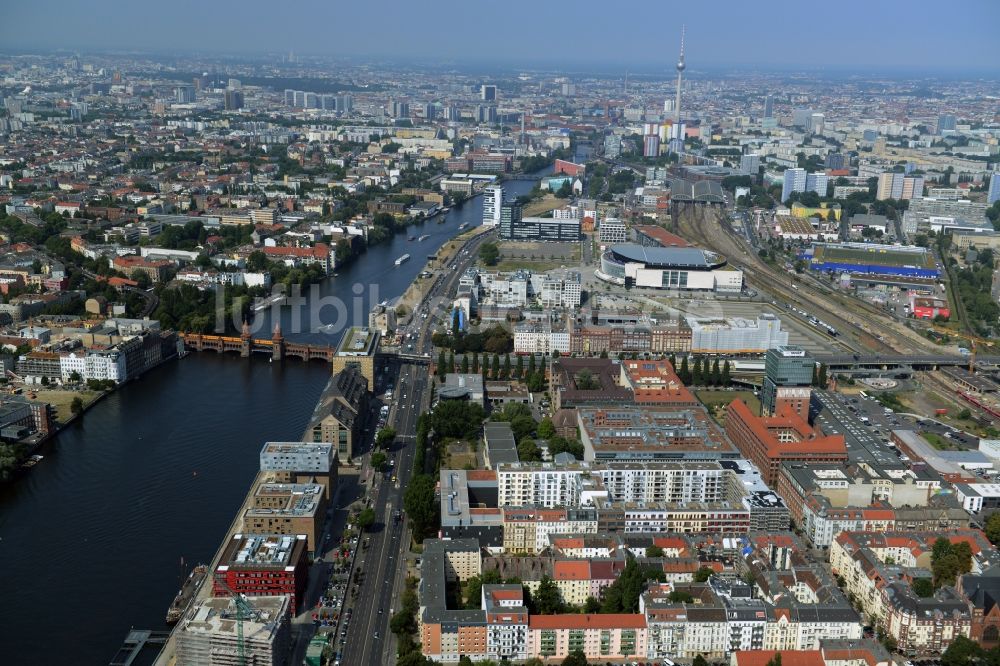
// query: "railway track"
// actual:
[[863, 328]]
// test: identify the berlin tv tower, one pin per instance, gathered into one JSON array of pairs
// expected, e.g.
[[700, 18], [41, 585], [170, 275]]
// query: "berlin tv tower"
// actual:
[[680, 71]]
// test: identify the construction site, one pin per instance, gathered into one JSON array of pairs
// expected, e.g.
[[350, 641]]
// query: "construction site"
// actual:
[[237, 631]]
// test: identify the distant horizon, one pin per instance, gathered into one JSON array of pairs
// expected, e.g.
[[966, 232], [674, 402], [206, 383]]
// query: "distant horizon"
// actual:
[[640, 70], [856, 36]]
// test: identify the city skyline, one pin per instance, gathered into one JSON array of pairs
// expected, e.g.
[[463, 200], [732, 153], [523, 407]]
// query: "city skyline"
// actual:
[[737, 37]]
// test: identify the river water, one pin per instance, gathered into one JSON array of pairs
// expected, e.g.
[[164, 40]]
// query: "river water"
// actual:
[[91, 540]]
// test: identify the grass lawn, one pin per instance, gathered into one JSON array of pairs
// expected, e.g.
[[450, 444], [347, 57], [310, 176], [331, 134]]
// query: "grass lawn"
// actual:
[[508, 265], [717, 401], [937, 441], [61, 401], [543, 205]]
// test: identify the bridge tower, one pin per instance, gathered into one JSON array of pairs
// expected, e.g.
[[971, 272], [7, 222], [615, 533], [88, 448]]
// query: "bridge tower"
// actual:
[[245, 340], [278, 344]]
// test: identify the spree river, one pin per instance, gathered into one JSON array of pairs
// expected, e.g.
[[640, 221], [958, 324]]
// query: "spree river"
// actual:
[[91, 540]]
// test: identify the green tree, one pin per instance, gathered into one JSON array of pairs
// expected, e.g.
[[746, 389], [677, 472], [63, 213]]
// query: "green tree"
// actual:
[[727, 378], [716, 373], [518, 367], [654, 551], [452, 418], [923, 587], [562, 445], [378, 461], [776, 659], [592, 605], [685, 373], [451, 362], [961, 652], [536, 382], [489, 253], [696, 375], [76, 407], [465, 364], [821, 375], [75, 377], [575, 658], [442, 365], [531, 364], [495, 369], [622, 596], [365, 519], [141, 279], [421, 507], [699, 660], [475, 363], [385, 437], [415, 659], [703, 574], [586, 381], [505, 371], [546, 429], [547, 598], [527, 451], [948, 561], [992, 528]]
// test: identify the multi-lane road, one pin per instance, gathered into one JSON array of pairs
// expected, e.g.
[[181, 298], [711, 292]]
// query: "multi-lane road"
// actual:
[[382, 564]]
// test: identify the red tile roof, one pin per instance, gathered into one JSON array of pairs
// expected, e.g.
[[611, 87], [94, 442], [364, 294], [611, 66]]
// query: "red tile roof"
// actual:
[[588, 621], [796, 657]]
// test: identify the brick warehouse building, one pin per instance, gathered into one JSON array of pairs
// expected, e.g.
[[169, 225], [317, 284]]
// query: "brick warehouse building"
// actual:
[[263, 565], [770, 441]]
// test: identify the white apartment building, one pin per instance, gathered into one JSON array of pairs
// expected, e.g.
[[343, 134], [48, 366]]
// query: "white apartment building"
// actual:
[[104, 364], [73, 362], [612, 231], [539, 485], [492, 203], [508, 290], [532, 338], [560, 290], [666, 482]]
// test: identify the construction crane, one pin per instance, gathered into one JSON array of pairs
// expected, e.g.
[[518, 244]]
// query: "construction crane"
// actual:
[[974, 341], [244, 611]]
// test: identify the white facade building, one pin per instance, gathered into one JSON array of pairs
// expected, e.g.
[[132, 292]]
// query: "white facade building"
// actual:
[[105, 364], [492, 203], [612, 231]]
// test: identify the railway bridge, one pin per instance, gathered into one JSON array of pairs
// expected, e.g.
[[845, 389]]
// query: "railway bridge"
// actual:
[[245, 345]]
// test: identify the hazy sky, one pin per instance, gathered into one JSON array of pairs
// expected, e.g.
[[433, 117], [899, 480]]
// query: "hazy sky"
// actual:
[[844, 34]]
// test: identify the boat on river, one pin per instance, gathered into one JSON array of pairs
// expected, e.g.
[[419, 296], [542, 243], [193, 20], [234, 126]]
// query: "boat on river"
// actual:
[[186, 594]]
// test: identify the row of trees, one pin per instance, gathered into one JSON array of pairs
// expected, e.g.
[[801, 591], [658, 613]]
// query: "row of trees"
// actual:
[[422, 509], [495, 340], [495, 369], [973, 284], [703, 372]]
